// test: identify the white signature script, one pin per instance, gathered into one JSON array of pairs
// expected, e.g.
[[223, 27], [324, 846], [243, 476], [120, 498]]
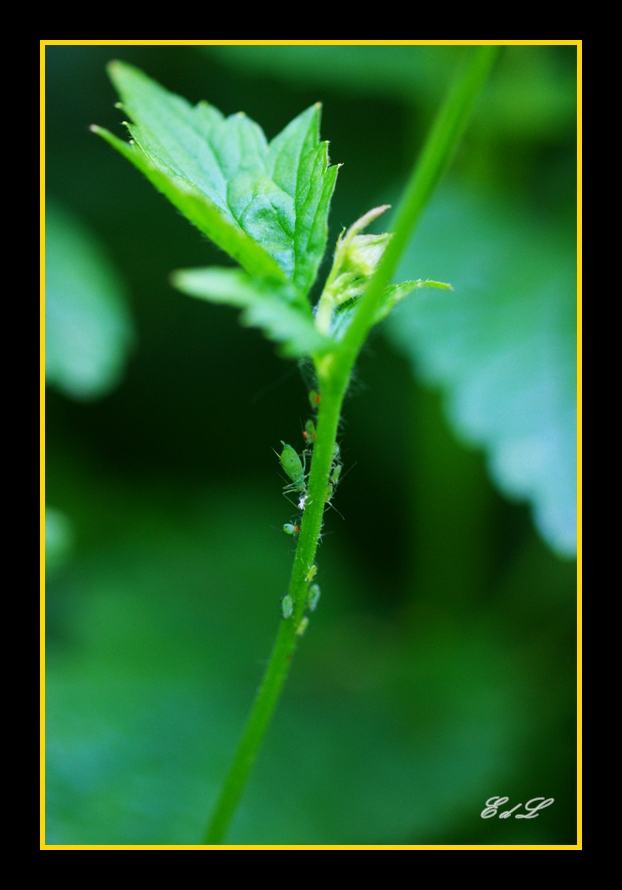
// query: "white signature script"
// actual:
[[532, 806]]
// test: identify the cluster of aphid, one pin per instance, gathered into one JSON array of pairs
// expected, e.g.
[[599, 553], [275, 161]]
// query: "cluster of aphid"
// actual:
[[295, 467]]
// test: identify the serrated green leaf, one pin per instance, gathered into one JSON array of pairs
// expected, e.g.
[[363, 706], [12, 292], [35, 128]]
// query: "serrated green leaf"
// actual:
[[265, 204], [502, 347], [89, 332], [271, 306]]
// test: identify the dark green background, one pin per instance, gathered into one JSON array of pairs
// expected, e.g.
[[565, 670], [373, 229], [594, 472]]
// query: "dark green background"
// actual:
[[439, 669]]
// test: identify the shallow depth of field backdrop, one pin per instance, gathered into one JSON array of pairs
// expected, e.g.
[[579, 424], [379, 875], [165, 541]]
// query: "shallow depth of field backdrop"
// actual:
[[439, 668]]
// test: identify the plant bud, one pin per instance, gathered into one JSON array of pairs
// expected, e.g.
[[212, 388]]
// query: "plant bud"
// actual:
[[363, 253]]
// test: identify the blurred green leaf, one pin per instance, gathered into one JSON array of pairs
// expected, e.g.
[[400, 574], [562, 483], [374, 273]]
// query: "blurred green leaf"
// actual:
[[271, 306], [534, 93], [369, 70], [265, 204], [88, 332], [502, 347], [59, 538], [531, 95], [381, 739]]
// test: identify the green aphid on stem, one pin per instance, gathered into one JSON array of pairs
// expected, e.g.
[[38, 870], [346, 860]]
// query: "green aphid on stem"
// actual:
[[333, 479], [294, 468], [309, 434], [311, 573], [287, 606], [302, 626], [292, 465], [313, 597], [292, 530], [314, 399]]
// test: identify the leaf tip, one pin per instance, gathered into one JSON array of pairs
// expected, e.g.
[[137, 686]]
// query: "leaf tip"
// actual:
[[373, 214], [442, 285]]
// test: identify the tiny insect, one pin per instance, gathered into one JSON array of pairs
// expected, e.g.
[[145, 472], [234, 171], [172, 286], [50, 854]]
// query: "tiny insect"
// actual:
[[287, 606], [314, 398], [333, 480], [311, 573], [302, 626], [309, 432], [290, 529], [294, 468], [313, 597], [292, 465]]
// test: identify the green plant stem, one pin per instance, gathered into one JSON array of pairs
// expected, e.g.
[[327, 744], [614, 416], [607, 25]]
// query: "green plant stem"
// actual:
[[433, 161], [278, 667], [334, 371]]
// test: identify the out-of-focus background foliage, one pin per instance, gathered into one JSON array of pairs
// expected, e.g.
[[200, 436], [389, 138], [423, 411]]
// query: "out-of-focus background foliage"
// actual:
[[439, 669]]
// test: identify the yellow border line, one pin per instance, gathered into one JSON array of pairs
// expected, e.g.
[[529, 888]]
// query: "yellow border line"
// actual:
[[42, 431], [313, 847], [579, 45], [310, 42], [579, 436]]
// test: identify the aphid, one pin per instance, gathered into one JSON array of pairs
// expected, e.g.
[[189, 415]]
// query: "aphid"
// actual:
[[333, 479], [309, 432], [287, 606], [294, 468], [314, 398], [290, 529], [313, 597], [336, 473], [292, 465], [311, 573], [302, 626]]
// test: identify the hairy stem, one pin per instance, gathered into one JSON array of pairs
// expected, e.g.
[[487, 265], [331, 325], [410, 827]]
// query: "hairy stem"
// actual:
[[334, 371], [269, 692]]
